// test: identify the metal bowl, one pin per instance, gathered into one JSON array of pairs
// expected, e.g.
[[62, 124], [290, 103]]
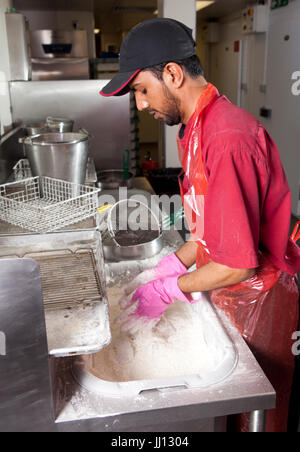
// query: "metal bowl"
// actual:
[[113, 179], [115, 253]]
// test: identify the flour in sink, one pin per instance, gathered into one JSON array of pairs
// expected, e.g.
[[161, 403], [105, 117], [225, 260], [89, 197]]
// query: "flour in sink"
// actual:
[[176, 346]]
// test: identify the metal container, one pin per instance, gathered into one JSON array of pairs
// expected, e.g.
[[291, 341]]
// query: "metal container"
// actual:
[[58, 155], [113, 179], [61, 125], [128, 243]]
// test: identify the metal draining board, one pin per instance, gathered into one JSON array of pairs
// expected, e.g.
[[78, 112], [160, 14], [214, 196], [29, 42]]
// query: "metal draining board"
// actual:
[[73, 286]]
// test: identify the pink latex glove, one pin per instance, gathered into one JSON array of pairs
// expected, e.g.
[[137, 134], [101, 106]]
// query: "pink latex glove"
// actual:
[[150, 302], [168, 266]]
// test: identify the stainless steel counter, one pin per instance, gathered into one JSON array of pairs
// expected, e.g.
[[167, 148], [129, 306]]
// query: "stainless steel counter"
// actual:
[[75, 409], [246, 389]]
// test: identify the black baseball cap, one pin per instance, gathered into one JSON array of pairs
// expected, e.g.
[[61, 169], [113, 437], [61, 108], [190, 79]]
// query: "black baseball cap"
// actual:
[[152, 42]]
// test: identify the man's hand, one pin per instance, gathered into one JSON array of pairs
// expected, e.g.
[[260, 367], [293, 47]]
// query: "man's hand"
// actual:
[[168, 266], [150, 302]]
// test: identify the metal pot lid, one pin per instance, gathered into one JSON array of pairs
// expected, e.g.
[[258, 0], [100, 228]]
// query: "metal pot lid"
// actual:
[[56, 138], [58, 120]]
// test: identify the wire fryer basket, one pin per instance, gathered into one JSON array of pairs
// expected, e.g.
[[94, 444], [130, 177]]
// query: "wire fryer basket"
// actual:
[[42, 204]]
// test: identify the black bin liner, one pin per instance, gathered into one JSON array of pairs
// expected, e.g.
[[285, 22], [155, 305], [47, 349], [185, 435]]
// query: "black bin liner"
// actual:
[[165, 180]]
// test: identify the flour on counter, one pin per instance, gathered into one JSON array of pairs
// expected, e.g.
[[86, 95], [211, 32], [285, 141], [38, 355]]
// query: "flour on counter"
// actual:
[[176, 346]]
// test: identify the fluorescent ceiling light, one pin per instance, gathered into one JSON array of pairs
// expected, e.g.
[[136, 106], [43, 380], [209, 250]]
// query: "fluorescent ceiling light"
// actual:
[[200, 4]]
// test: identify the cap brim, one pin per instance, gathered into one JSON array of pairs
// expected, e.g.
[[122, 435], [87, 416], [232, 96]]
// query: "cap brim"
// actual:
[[119, 85]]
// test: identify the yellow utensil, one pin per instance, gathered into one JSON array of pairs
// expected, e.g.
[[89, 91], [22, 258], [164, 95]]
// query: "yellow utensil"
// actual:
[[103, 208]]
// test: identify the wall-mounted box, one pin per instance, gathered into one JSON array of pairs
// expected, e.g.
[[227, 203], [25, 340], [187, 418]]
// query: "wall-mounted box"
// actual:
[[256, 19]]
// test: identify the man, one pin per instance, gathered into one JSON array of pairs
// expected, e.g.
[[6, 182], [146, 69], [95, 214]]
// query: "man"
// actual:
[[236, 201]]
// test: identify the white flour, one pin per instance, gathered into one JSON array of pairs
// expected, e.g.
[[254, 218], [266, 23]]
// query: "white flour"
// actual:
[[175, 347]]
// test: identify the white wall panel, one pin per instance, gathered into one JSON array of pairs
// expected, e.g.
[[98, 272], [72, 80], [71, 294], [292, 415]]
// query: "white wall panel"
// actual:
[[283, 61], [183, 11]]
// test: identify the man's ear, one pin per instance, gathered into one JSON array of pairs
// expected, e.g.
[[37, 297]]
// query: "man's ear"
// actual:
[[173, 75]]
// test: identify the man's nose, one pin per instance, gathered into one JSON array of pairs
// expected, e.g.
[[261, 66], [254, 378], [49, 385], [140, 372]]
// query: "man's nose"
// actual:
[[141, 104]]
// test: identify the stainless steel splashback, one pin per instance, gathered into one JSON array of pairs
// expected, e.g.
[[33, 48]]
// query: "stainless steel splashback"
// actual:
[[60, 69], [106, 119]]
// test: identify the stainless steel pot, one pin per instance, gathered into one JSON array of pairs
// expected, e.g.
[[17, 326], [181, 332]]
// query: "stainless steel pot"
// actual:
[[58, 155], [61, 125]]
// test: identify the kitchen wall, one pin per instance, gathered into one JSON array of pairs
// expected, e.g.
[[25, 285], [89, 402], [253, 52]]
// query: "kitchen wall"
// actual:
[[281, 97], [5, 113], [264, 67], [186, 13], [230, 66]]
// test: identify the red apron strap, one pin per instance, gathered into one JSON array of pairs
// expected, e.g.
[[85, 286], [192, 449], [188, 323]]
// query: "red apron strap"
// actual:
[[296, 232]]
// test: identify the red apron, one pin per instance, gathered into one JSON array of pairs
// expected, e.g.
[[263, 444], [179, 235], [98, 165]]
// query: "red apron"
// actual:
[[264, 308]]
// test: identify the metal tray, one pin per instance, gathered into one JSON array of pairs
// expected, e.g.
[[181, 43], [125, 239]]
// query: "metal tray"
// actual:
[[73, 284]]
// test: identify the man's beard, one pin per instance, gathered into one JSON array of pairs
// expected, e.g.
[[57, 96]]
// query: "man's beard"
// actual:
[[172, 113]]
